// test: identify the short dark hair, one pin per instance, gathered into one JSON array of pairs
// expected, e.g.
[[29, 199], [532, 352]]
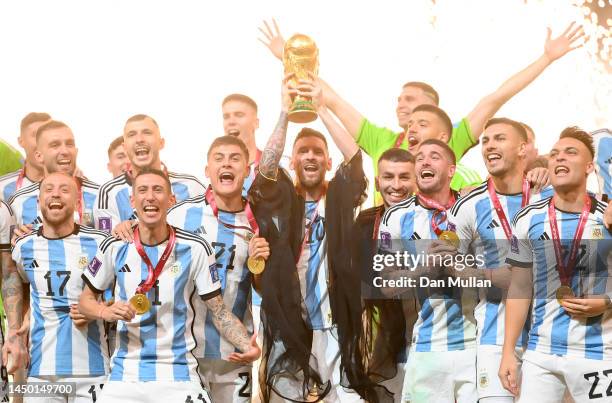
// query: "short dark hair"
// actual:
[[74, 179], [443, 116], [518, 126], [240, 98], [50, 125], [114, 144], [427, 89], [528, 129], [577, 133], [34, 117], [396, 154], [153, 171], [308, 132], [229, 140], [447, 150], [139, 117]]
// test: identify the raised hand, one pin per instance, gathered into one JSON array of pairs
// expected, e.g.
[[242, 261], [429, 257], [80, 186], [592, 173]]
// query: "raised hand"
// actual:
[[274, 40], [566, 42]]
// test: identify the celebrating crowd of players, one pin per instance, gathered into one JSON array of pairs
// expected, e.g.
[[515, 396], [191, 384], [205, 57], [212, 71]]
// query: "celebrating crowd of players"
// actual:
[[99, 283]]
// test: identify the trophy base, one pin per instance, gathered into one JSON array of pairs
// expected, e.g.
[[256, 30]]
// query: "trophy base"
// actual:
[[302, 116]]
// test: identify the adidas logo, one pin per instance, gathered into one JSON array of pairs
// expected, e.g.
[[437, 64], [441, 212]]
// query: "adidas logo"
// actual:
[[125, 269], [493, 224], [34, 264], [415, 236], [200, 230], [544, 237], [609, 160]]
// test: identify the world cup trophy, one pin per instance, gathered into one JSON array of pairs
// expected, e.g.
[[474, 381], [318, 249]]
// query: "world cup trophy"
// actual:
[[300, 57]]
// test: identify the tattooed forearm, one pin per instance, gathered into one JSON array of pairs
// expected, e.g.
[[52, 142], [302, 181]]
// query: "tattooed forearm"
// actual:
[[271, 155], [12, 293], [228, 324]]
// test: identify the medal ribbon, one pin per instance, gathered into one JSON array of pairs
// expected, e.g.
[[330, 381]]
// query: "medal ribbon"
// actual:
[[565, 270], [20, 177], [440, 211], [498, 208], [253, 226], [153, 273], [400, 138]]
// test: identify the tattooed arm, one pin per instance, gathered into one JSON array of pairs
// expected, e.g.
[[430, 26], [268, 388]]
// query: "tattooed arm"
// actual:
[[12, 294], [233, 330], [271, 156]]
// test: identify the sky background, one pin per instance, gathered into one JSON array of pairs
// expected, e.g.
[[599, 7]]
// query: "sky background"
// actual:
[[92, 64]]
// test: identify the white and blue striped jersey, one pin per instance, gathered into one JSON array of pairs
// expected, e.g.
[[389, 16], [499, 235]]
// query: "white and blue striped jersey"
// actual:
[[602, 142], [53, 268], [445, 321], [231, 253], [158, 345], [112, 205], [7, 223], [24, 204], [8, 184], [481, 233], [312, 267], [553, 330]]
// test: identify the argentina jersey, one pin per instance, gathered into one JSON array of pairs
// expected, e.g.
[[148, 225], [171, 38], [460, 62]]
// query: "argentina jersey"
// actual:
[[602, 142], [445, 320], [157, 345], [231, 253], [112, 205], [553, 330], [312, 267], [53, 268], [10, 183], [481, 233], [24, 204]]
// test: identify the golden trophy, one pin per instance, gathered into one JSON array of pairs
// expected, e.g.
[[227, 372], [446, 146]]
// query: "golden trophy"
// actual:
[[300, 57]]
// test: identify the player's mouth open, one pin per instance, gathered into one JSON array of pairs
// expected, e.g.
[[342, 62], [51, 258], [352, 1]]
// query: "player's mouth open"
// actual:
[[233, 132], [427, 174], [493, 157], [311, 168], [226, 178], [561, 170], [55, 205], [142, 151], [150, 209]]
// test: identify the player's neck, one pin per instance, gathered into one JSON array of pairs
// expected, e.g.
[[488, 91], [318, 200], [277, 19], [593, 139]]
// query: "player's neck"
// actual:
[[314, 193], [55, 231], [252, 147], [229, 203], [154, 234], [33, 173], [570, 200], [442, 196], [509, 183]]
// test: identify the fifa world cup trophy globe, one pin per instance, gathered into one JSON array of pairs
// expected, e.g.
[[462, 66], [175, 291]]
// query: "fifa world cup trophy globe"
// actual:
[[300, 57]]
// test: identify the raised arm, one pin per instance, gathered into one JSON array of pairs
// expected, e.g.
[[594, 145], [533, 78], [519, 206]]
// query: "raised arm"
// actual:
[[272, 153], [12, 294], [233, 330], [350, 117], [553, 50]]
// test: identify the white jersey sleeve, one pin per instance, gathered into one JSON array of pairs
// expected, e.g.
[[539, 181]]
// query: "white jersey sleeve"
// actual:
[[520, 253], [100, 272], [7, 223], [205, 275], [461, 221]]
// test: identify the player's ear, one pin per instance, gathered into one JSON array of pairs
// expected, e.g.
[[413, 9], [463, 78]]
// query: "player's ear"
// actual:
[[590, 167], [207, 171], [132, 200], [522, 151], [329, 164], [172, 200], [451, 170], [376, 185], [162, 143], [39, 157]]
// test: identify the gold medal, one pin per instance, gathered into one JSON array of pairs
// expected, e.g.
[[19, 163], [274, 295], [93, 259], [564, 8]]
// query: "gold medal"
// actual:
[[140, 303], [256, 265], [450, 237], [564, 292]]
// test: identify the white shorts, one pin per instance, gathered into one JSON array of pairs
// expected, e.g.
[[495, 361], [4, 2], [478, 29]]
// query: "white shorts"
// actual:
[[546, 377], [88, 389], [226, 381], [154, 392], [326, 351], [441, 377], [488, 360]]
